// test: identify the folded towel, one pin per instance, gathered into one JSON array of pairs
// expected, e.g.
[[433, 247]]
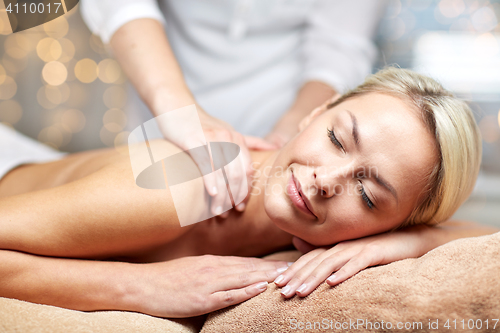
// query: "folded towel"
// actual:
[[457, 281]]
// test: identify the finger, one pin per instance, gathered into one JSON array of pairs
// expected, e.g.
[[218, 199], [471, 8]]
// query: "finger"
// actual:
[[243, 177], [222, 299], [242, 279], [359, 262], [246, 165], [258, 263], [235, 172], [317, 276], [284, 278], [209, 179], [256, 143]]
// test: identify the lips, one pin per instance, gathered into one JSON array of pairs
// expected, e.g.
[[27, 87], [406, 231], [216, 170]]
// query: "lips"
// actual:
[[297, 197]]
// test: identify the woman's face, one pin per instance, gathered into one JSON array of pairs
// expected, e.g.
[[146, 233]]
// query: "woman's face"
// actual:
[[355, 170]]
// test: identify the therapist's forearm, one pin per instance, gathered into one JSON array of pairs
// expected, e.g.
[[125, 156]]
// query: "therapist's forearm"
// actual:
[[311, 95], [141, 47]]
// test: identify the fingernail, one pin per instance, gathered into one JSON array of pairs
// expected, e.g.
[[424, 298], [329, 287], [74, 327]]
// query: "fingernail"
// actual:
[[214, 190], [285, 290], [241, 207], [302, 288], [218, 210], [290, 263], [331, 278], [282, 269], [279, 279], [261, 286]]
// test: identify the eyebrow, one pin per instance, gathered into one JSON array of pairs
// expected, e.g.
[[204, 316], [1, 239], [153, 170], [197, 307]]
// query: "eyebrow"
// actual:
[[355, 136]]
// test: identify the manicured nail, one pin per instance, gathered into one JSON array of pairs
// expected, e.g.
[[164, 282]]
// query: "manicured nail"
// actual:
[[286, 290], [279, 279], [214, 190], [290, 263], [240, 207], [261, 286], [218, 210], [331, 278], [282, 269], [302, 287]]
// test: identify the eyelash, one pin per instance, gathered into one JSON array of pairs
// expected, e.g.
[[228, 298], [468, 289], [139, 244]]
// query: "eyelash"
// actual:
[[337, 143], [364, 196], [333, 139]]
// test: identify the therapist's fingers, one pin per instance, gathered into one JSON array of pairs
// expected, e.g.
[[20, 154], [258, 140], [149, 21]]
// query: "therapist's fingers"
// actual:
[[256, 143], [241, 172]]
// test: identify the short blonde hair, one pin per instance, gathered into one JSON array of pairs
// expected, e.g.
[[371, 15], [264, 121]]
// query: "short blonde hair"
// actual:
[[457, 136]]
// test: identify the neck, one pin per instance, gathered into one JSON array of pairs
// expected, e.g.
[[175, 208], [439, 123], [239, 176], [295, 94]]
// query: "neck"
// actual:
[[255, 215]]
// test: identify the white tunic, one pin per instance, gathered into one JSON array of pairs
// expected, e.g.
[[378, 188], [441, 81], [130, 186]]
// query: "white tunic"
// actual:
[[244, 60], [17, 149]]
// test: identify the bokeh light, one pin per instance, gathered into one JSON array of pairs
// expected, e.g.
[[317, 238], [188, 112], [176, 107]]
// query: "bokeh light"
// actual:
[[107, 137], [489, 129], [451, 8], [17, 46], [56, 28], [42, 99], [68, 50], [86, 70], [109, 70], [14, 65], [73, 120], [8, 88], [115, 97], [121, 139], [114, 120], [54, 73], [10, 111], [49, 49], [52, 136], [3, 74], [484, 19]]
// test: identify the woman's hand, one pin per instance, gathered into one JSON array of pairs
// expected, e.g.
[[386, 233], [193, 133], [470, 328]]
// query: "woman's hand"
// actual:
[[193, 286], [348, 258]]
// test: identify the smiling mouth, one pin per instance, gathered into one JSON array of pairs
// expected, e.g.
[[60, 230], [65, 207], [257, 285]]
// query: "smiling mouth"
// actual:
[[295, 194]]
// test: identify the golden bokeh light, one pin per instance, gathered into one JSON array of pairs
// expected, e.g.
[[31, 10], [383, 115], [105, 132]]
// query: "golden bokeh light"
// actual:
[[107, 137], [51, 136], [14, 65], [53, 94], [42, 99], [3, 74], [489, 129], [68, 50], [10, 111], [54, 73], [8, 88], [17, 46], [49, 49], [86, 70], [115, 97], [78, 96], [96, 44], [114, 120], [109, 70], [57, 28], [121, 139], [73, 120]]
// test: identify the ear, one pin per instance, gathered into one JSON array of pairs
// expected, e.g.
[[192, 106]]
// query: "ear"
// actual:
[[316, 112]]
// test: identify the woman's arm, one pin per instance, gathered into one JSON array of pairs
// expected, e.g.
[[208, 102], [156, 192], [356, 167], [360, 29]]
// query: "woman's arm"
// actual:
[[176, 288], [348, 258], [86, 205]]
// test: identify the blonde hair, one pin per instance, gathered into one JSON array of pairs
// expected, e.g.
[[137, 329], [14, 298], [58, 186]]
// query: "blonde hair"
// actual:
[[457, 136]]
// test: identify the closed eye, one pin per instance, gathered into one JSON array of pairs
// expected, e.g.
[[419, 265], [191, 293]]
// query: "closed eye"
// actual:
[[333, 139], [364, 196]]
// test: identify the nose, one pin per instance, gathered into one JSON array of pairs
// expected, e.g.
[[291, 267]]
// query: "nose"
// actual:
[[331, 181]]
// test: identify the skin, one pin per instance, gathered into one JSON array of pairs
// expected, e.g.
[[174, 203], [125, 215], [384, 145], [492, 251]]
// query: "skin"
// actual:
[[87, 206], [144, 53]]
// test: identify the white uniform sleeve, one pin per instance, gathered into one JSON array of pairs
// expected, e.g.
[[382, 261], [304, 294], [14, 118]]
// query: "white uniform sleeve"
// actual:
[[104, 17], [17, 149], [338, 46]]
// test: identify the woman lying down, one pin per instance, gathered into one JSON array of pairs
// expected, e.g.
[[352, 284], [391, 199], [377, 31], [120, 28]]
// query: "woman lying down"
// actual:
[[78, 233]]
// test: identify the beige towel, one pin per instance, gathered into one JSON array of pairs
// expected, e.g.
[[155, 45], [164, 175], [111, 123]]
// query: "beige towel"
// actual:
[[460, 280], [22, 317]]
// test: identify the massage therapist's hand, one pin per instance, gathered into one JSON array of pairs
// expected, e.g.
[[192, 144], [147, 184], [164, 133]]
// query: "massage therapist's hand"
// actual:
[[216, 130], [349, 257], [193, 286]]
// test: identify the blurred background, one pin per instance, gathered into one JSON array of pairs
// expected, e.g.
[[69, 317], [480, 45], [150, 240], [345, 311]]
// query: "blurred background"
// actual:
[[60, 85]]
